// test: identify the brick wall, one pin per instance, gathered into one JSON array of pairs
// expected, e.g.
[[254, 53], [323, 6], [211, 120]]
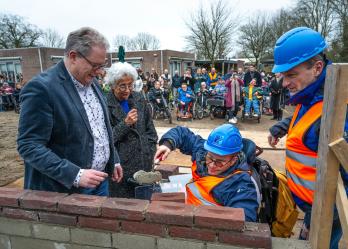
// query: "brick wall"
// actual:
[[37, 219]]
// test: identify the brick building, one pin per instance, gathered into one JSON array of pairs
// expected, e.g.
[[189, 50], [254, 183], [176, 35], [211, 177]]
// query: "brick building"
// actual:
[[27, 62], [159, 60], [24, 63]]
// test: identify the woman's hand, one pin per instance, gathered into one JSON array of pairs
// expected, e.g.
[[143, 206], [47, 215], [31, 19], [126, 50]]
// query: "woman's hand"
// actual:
[[132, 117]]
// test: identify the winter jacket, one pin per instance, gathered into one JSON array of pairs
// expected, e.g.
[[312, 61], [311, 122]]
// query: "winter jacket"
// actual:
[[254, 91], [136, 144], [155, 94], [176, 81], [251, 75], [199, 79], [182, 95], [237, 191]]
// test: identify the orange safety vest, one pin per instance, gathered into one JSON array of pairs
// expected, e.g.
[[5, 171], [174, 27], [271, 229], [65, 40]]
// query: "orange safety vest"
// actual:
[[213, 77], [199, 189], [300, 161]]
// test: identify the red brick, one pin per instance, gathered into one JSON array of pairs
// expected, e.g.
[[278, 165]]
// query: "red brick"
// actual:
[[89, 205], [126, 209], [255, 235], [167, 170], [17, 213], [219, 217], [55, 218], [192, 233], [172, 197], [170, 213], [143, 228], [99, 223], [41, 200], [9, 196]]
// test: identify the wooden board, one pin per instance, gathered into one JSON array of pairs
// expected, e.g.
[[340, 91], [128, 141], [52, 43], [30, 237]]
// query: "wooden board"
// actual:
[[342, 207], [332, 125]]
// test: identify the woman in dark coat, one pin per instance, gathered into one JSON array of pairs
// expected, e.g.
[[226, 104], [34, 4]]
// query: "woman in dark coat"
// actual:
[[276, 93], [134, 133]]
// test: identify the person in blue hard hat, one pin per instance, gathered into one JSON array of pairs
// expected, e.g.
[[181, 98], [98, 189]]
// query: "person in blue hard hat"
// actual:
[[221, 174], [299, 56]]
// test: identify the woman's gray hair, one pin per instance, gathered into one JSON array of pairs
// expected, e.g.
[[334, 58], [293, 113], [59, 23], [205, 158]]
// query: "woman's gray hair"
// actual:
[[117, 71], [83, 39]]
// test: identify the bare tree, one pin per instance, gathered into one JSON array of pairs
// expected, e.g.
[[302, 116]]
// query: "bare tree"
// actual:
[[281, 22], [123, 40], [316, 14], [255, 37], [51, 38], [16, 33], [144, 41], [210, 31], [340, 42]]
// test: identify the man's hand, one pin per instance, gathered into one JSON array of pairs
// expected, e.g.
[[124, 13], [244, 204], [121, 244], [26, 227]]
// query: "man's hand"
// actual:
[[118, 174], [272, 141], [132, 117], [162, 153], [91, 178], [158, 101], [182, 102], [188, 95]]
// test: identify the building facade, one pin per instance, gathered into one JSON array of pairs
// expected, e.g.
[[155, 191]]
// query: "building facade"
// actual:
[[159, 60], [21, 64]]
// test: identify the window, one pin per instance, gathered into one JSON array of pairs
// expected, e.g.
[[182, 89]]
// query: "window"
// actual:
[[175, 66], [11, 69]]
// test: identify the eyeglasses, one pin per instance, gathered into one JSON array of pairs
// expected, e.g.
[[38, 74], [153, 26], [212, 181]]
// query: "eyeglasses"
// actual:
[[94, 66], [218, 163], [124, 87]]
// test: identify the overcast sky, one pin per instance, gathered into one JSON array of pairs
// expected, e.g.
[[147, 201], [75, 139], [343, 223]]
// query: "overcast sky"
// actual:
[[163, 18]]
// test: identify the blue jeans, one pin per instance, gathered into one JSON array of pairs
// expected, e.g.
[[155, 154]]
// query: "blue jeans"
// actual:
[[254, 104], [336, 232], [101, 190]]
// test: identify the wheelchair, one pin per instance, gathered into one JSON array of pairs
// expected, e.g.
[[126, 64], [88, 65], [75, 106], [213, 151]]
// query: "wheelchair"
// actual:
[[200, 108], [7, 102], [251, 116], [181, 115], [217, 108], [161, 110]]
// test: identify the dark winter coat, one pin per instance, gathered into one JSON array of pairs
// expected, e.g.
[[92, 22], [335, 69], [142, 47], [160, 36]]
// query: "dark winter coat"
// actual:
[[136, 144], [176, 81], [251, 75], [276, 93]]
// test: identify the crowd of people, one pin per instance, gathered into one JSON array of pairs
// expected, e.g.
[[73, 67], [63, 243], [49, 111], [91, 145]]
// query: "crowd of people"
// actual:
[[258, 92], [73, 139]]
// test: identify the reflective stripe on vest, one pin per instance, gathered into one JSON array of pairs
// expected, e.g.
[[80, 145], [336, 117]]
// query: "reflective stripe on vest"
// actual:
[[306, 160], [199, 190], [301, 161], [195, 192]]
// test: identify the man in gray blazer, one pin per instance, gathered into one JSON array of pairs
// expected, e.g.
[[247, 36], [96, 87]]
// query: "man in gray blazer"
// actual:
[[64, 133]]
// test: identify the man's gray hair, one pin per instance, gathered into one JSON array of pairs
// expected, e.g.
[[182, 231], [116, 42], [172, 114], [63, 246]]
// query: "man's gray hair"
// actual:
[[83, 39], [117, 71]]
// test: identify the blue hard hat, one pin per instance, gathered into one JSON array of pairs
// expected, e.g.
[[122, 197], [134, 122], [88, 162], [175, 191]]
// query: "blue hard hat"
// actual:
[[296, 46], [224, 140]]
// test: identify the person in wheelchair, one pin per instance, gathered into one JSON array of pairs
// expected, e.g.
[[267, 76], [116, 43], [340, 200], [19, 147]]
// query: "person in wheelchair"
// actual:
[[202, 95], [6, 92], [252, 96], [155, 96], [185, 99], [219, 90]]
